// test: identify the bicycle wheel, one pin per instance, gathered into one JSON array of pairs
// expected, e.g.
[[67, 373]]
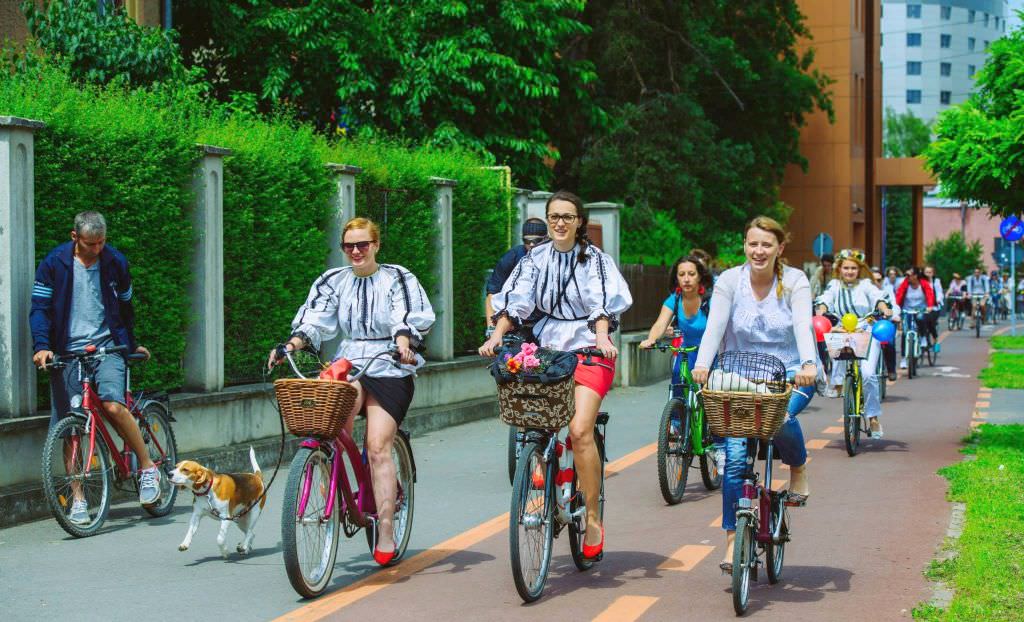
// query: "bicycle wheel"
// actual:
[[155, 425], [851, 418], [977, 325], [65, 474], [578, 527], [929, 351], [531, 523], [912, 359], [775, 551], [709, 472], [675, 452], [310, 541], [743, 558], [513, 452], [401, 454], [880, 373]]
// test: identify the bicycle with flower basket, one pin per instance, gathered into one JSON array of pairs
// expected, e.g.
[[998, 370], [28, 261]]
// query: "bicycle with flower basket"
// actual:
[[319, 497], [536, 392], [747, 396]]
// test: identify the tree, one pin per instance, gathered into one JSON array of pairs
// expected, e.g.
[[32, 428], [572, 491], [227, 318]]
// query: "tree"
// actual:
[[490, 76], [953, 255], [705, 101], [978, 154], [905, 136], [101, 47]]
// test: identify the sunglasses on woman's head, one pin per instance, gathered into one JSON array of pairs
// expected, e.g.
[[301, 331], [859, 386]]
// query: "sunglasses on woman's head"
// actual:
[[348, 247]]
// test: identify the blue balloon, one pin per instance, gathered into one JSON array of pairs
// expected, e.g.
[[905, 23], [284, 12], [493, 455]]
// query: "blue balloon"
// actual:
[[883, 331]]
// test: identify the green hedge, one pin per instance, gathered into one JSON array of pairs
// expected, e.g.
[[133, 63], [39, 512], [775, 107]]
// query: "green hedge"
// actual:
[[120, 154]]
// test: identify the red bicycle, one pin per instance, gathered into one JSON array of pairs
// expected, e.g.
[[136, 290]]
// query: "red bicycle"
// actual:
[[80, 461]]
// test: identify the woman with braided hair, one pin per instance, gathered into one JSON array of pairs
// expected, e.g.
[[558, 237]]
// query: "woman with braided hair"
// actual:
[[580, 294]]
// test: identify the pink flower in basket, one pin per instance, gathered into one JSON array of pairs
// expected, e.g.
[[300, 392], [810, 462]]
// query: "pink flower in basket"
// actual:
[[528, 349], [530, 362]]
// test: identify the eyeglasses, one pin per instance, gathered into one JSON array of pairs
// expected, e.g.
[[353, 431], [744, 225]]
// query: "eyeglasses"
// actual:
[[533, 241], [566, 218], [348, 247]]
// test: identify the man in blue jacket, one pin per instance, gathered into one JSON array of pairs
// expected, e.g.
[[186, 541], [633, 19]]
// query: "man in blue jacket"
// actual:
[[83, 296]]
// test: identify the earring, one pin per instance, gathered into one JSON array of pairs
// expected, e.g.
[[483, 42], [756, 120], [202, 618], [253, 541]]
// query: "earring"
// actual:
[[701, 290]]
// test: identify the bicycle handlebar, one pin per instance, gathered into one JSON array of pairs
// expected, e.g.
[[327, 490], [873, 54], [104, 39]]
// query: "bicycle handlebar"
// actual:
[[60, 361], [665, 345], [392, 351]]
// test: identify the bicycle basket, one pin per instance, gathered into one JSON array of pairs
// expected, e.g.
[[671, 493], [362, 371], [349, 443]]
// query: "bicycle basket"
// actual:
[[317, 408], [846, 346], [746, 395], [536, 405]]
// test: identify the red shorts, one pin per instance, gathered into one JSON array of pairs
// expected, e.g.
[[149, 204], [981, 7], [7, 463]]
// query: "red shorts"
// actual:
[[595, 377]]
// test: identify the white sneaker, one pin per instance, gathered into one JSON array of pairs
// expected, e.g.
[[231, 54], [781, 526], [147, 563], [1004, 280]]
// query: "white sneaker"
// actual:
[[149, 486], [903, 363], [79, 513], [831, 392]]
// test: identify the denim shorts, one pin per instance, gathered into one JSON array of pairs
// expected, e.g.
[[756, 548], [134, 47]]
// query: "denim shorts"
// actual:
[[109, 382]]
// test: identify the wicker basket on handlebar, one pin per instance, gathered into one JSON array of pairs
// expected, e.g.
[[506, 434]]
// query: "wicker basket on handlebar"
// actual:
[[316, 408], [746, 395], [536, 405]]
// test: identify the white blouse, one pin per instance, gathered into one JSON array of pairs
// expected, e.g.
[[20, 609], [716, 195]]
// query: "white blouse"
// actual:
[[777, 326], [859, 299], [571, 295], [368, 312]]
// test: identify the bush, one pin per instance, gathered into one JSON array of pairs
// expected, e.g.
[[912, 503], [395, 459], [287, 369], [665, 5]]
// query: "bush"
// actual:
[[953, 255]]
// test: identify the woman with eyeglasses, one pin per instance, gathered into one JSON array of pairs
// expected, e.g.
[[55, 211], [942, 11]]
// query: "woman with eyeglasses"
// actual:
[[372, 306], [854, 291], [580, 294]]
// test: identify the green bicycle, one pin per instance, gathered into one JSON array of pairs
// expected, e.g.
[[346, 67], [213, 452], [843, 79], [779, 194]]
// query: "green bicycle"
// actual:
[[683, 433]]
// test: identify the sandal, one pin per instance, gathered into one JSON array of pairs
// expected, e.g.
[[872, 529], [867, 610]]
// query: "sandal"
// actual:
[[726, 567], [796, 500]]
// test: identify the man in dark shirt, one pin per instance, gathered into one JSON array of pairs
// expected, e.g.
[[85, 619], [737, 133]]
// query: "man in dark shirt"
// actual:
[[534, 232]]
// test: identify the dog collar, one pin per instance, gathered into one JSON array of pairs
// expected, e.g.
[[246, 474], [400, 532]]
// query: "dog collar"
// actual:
[[205, 492]]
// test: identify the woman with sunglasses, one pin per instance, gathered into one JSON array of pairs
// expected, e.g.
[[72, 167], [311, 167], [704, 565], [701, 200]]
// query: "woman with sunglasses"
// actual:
[[372, 306], [580, 294], [853, 291]]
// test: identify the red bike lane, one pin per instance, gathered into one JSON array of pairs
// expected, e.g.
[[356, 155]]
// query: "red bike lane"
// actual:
[[859, 548]]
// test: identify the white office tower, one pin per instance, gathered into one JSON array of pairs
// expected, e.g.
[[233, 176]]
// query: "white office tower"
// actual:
[[931, 50]]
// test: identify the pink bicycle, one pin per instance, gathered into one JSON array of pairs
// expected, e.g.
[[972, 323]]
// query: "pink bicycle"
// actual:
[[319, 501]]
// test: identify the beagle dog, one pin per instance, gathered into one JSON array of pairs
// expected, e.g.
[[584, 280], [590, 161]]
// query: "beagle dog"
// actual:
[[229, 494]]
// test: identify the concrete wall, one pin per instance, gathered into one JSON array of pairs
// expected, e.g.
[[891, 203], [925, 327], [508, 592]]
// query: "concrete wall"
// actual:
[[940, 222]]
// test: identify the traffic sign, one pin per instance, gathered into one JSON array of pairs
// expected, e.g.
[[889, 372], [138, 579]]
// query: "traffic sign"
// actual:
[[822, 245], [1012, 228]]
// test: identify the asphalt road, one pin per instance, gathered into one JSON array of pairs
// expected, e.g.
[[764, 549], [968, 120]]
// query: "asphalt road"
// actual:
[[859, 548]]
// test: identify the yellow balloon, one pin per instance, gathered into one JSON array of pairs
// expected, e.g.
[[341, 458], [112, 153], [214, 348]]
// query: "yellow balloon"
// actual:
[[849, 322]]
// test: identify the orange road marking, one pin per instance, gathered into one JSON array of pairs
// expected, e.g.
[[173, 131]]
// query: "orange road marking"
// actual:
[[943, 336], [817, 443], [981, 404], [832, 429], [686, 558], [626, 609], [335, 601], [716, 523]]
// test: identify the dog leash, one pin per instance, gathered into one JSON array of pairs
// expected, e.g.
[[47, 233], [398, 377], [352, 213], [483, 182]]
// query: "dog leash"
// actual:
[[277, 469]]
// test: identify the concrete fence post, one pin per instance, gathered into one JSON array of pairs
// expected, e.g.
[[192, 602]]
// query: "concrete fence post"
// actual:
[[343, 209], [607, 215], [520, 208], [536, 203], [441, 340], [17, 265], [204, 347]]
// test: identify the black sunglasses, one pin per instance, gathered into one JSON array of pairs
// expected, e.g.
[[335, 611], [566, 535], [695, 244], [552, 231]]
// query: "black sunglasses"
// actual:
[[532, 241], [348, 247]]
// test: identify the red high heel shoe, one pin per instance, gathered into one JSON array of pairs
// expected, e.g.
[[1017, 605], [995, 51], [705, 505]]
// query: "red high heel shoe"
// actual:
[[593, 551], [382, 558]]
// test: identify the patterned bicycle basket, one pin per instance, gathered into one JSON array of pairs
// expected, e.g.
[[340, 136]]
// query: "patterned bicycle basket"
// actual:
[[745, 415], [316, 408], [535, 405], [845, 346]]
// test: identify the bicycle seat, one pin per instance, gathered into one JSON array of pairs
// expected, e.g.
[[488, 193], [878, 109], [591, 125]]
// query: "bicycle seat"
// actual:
[[602, 418]]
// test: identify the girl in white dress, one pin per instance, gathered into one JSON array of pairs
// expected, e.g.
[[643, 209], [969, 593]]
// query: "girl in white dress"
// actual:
[[854, 292], [580, 294], [372, 306]]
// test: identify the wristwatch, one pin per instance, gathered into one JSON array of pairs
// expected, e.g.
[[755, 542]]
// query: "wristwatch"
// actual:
[[809, 362]]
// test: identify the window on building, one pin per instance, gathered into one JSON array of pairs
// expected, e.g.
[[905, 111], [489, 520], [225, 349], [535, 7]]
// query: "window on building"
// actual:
[[986, 46], [997, 22], [945, 40], [913, 68], [946, 69], [970, 16], [970, 44], [986, 19], [970, 71], [913, 39], [946, 12], [944, 97], [913, 96], [881, 39], [914, 11]]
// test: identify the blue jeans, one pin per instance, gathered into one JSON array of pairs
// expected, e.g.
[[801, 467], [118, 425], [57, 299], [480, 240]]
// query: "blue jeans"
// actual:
[[789, 446]]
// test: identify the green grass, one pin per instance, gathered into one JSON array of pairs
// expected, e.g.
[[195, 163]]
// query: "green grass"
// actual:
[[1005, 342], [1005, 371], [988, 571]]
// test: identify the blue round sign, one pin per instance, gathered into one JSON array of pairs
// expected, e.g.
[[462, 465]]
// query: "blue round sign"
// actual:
[[1012, 228]]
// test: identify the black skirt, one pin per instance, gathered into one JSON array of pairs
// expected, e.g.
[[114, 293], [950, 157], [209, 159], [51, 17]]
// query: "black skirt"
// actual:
[[393, 394]]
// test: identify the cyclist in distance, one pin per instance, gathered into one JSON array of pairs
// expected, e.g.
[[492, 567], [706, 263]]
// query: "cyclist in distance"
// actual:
[[977, 285], [534, 231], [916, 293], [372, 306], [855, 292], [83, 296], [956, 294], [686, 311], [580, 293], [763, 306]]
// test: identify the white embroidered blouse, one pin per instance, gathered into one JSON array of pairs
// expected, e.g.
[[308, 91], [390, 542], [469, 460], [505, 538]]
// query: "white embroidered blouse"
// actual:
[[571, 295], [368, 312], [859, 299]]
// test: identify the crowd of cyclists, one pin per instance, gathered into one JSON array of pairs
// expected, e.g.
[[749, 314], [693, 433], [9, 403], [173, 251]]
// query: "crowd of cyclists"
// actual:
[[561, 292]]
